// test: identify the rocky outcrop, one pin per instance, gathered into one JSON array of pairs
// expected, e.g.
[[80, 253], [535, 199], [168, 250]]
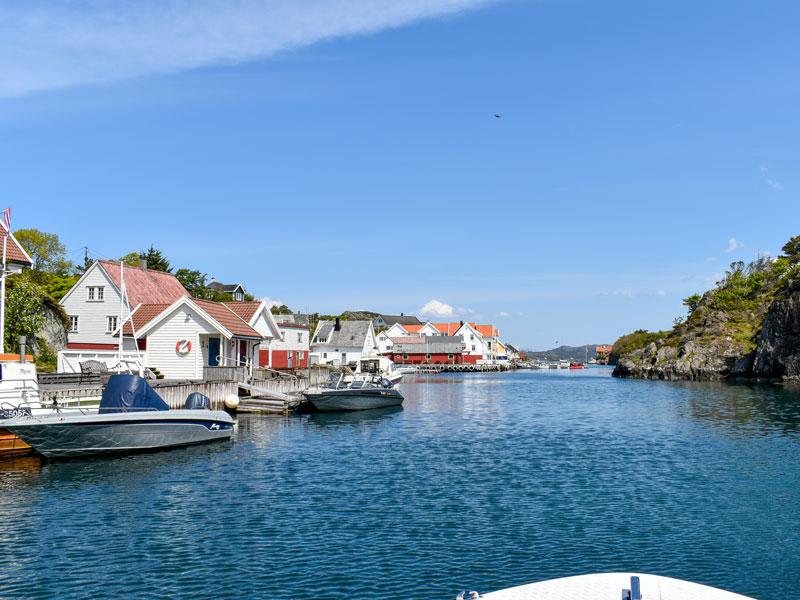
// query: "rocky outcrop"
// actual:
[[760, 343], [53, 332], [777, 355]]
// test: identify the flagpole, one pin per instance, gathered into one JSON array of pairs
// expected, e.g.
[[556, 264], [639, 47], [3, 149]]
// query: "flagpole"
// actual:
[[3, 297]]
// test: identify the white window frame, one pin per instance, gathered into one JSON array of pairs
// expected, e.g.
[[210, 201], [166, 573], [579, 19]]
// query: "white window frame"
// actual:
[[300, 337], [111, 323], [95, 293], [73, 323]]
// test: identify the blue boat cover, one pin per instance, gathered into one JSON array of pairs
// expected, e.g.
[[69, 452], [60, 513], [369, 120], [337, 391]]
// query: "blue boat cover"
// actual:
[[129, 392]]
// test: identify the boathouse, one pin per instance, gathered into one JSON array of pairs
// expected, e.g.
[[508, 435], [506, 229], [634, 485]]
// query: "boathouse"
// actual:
[[431, 350]]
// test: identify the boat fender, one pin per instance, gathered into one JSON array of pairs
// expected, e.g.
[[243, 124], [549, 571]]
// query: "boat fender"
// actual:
[[231, 401], [183, 346]]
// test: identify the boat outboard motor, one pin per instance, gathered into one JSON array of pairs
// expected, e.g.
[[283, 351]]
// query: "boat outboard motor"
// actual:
[[197, 401], [385, 382]]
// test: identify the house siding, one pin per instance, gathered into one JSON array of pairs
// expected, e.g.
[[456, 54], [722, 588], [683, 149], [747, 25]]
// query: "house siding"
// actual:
[[92, 315], [184, 324]]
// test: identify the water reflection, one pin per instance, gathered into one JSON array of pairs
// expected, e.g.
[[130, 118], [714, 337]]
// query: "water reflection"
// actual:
[[353, 418], [743, 408]]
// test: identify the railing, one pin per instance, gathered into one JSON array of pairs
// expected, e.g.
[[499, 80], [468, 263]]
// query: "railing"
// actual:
[[238, 374]]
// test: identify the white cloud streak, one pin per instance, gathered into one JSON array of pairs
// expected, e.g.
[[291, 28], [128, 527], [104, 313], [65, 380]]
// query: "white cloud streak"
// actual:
[[774, 184], [50, 44], [733, 244]]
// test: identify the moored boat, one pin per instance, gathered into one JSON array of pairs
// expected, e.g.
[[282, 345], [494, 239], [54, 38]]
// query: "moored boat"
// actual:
[[131, 417], [357, 393], [379, 365], [19, 395]]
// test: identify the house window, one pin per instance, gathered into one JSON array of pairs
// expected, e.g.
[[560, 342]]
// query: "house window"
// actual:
[[94, 294], [405, 356], [299, 338], [322, 340], [472, 338], [324, 355], [300, 356], [427, 357], [73, 324], [283, 336], [111, 324], [449, 357]]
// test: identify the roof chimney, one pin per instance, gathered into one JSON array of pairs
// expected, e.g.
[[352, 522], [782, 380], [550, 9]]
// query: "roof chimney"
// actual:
[[401, 314], [143, 264], [337, 326], [461, 323]]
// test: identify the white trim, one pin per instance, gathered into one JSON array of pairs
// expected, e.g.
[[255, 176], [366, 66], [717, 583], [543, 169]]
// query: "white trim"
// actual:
[[11, 235]]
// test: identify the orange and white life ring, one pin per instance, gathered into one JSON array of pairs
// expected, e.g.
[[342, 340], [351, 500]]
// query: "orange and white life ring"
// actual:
[[184, 347]]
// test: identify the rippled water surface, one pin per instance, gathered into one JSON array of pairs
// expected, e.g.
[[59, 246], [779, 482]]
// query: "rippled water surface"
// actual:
[[477, 482]]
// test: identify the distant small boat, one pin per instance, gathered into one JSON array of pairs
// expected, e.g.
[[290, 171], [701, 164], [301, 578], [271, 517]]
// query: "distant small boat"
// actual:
[[358, 393], [131, 417], [575, 365], [610, 586]]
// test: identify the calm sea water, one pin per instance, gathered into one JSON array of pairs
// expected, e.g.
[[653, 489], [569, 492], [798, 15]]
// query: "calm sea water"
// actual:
[[477, 482]]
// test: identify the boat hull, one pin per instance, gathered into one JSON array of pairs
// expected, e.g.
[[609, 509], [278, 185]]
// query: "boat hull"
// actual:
[[86, 435], [12, 445], [609, 586], [347, 399]]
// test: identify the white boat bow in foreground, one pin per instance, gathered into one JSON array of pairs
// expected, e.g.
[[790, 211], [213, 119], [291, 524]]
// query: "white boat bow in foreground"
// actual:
[[610, 586]]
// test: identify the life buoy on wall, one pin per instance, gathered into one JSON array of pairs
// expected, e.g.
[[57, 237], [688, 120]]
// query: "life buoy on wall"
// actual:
[[183, 346]]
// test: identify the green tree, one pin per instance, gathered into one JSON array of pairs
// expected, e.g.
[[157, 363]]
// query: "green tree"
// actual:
[[24, 310], [46, 251], [131, 259], [792, 249], [281, 310], [691, 302], [194, 282], [155, 259]]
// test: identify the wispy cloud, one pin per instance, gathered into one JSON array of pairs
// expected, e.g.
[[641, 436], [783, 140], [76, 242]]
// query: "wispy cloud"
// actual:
[[270, 302], [733, 244], [502, 314], [626, 293], [48, 45], [436, 308], [661, 293], [710, 259], [774, 184]]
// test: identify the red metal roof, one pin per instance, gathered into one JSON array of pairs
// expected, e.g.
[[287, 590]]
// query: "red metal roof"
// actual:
[[408, 340], [145, 287], [447, 328], [14, 252], [412, 328]]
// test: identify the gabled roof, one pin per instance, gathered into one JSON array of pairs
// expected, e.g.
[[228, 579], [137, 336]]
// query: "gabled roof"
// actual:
[[413, 328], [142, 316], [224, 287], [244, 310], [401, 319], [217, 313], [144, 286], [226, 317], [447, 328], [14, 251], [294, 318], [486, 331], [350, 333]]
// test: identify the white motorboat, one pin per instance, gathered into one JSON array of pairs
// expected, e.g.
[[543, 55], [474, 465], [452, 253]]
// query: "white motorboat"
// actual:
[[380, 365], [131, 417], [360, 392], [19, 395], [609, 586]]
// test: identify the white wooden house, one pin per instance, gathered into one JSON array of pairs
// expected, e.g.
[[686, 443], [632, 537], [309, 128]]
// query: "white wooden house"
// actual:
[[343, 342], [181, 339], [93, 307], [16, 257]]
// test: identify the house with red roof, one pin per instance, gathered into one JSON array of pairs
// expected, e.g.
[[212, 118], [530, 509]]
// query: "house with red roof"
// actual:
[[16, 257], [93, 303], [164, 327], [182, 338]]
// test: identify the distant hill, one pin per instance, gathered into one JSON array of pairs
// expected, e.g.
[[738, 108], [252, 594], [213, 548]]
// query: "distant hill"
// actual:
[[571, 353], [359, 315]]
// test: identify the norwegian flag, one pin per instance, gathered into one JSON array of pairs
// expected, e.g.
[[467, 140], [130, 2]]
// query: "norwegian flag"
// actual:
[[7, 219]]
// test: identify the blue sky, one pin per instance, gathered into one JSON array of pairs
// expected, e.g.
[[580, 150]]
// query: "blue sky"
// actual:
[[335, 154]]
